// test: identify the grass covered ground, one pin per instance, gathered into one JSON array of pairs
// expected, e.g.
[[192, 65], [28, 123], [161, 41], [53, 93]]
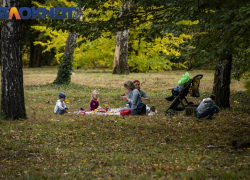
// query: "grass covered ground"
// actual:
[[48, 146]]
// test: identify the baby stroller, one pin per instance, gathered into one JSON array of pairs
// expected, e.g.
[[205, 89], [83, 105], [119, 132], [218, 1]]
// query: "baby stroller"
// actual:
[[191, 87]]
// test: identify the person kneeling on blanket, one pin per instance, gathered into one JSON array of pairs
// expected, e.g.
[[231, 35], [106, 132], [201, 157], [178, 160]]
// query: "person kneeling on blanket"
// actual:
[[133, 99], [207, 107]]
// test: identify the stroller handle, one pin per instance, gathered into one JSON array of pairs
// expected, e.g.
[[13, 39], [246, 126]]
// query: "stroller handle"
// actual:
[[199, 75]]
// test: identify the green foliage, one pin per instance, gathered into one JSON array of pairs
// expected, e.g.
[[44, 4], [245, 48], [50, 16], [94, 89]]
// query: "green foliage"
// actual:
[[54, 3], [143, 56], [151, 55], [100, 51], [51, 40], [154, 55], [217, 27], [65, 70], [247, 86]]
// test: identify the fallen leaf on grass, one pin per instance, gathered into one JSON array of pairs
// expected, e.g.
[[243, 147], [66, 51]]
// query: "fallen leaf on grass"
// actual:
[[190, 168]]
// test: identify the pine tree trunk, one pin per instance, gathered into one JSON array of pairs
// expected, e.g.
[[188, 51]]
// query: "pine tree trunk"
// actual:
[[66, 65], [222, 80], [121, 49], [12, 97]]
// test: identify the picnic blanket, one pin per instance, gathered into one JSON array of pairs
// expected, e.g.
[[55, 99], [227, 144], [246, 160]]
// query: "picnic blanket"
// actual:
[[108, 113]]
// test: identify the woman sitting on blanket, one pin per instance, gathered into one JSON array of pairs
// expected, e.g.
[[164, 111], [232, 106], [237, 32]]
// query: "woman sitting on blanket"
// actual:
[[133, 97], [144, 96]]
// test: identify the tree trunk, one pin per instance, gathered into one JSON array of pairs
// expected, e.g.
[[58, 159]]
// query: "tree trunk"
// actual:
[[32, 51], [38, 56], [121, 49], [190, 110], [66, 65], [12, 97], [39, 60], [222, 80], [35, 55]]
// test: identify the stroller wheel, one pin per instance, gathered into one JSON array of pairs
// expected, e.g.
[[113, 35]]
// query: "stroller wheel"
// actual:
[[171, 113], [167, 113], [174, 112]]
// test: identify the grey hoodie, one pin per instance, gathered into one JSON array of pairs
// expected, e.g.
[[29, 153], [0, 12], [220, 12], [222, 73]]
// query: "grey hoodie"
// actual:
[[205, 105]]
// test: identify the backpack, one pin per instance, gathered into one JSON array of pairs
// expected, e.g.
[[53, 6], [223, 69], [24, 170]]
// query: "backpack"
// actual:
[[141, 108]]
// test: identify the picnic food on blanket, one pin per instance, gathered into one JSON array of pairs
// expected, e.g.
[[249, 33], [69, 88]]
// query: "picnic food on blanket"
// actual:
[[107, 108], [99, 110], [102, 111]]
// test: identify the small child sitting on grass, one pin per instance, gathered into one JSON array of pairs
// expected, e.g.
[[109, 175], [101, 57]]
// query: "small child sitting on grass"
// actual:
[[207, 107], [60, 107], [94, 102]]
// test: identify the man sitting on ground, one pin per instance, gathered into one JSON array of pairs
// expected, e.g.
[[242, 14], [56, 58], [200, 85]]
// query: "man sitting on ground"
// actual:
[[207, 107]]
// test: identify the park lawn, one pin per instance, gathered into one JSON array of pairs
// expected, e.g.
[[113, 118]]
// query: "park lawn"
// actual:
[[73, 146]]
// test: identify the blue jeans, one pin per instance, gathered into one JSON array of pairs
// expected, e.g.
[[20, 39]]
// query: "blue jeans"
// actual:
[[133, 111], [59, 111], [210, 112]]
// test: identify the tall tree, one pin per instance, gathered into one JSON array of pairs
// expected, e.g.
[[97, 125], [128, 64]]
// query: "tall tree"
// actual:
[[66, 65], [121, 49], [12, 97], [222, 80], [28, 36]]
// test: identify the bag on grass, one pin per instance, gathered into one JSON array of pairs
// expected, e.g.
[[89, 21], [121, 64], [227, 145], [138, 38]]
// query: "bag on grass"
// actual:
[[125, 112]]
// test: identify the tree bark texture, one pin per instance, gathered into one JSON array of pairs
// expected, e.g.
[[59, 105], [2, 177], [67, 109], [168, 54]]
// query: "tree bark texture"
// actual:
[[12, 97], [222, 80], [32, 51], [121, 49], [35, 55], [66, 65]]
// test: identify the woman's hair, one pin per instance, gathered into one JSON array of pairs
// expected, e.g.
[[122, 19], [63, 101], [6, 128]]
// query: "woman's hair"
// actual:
[[129, 85]]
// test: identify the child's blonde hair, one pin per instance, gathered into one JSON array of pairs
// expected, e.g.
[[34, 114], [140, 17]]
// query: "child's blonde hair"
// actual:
[[93, 93]]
